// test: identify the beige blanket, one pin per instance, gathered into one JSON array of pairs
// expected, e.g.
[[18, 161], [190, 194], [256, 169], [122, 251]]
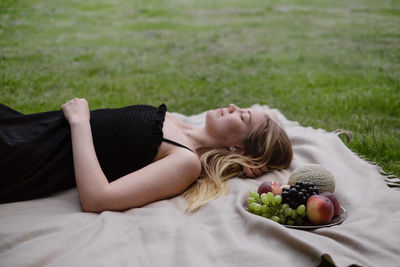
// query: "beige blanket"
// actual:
[[55, 232]]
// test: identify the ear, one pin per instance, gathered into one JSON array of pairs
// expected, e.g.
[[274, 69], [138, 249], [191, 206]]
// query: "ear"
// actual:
[[237, 149]]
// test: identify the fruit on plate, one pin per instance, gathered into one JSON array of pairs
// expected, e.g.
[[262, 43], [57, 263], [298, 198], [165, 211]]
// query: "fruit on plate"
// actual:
[[271, 186], [297, 194], [298, 204], [317, 174], [269, 206], [335, 202], [265, 187], [319, 209], [276, 188]]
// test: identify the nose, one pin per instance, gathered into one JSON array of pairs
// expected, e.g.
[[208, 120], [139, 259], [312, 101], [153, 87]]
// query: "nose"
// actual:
[[232, 108]]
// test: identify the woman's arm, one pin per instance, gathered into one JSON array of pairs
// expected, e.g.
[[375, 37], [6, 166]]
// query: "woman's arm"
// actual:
[[90, 179], [161, 179], [164, 178]]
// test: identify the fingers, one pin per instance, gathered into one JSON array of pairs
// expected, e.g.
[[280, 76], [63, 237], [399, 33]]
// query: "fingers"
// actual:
[[76, 111], [254, 172], [248, 172], [75, 100], [264, 168]]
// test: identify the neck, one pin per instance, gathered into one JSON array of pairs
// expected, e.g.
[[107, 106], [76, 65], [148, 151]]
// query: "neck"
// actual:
[[200, 138]]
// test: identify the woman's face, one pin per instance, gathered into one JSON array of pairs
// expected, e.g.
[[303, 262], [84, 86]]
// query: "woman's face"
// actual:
[[230, 126]]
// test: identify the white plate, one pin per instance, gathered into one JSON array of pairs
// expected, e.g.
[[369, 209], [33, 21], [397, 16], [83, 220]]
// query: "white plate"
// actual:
[[308, 226], [335, 221]]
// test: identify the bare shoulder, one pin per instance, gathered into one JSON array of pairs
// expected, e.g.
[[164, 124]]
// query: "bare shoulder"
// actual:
[[187, 162]]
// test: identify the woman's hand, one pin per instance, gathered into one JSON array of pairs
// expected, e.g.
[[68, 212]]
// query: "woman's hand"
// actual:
[[76, 111], [253, 173]]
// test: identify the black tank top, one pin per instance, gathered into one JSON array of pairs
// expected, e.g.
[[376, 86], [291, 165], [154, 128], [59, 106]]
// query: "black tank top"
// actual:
[[36, 150]]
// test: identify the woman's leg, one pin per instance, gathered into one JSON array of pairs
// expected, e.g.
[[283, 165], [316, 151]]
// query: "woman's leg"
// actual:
[[6, 111]]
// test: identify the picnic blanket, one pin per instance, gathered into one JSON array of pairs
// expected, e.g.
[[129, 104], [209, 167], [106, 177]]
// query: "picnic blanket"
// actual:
[[54, 231]]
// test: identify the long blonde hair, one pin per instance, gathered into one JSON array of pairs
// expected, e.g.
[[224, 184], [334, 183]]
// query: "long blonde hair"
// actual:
[[268, 145]]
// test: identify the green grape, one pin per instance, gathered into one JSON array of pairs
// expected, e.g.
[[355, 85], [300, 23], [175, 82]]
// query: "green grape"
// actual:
[[264, 209], [254, 195], [285, 206], [250, 200], [294, 215], [273, 202], [278, 199], [289, 212], [252, 206], [275, 219], [299, 221], [290, 222], [264, 198], [257, 207], [264, 215], [273, 209], [282, 219], [301, 210], [283, 213], [270, 196]]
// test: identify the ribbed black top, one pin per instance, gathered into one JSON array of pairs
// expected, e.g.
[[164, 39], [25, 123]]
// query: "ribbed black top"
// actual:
[[127, 139]]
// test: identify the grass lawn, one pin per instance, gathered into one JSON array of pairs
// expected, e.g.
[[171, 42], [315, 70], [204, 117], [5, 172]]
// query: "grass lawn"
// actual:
[[325, 64]]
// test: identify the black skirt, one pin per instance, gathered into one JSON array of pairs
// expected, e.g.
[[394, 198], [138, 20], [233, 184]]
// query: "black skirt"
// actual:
[[35, 154]]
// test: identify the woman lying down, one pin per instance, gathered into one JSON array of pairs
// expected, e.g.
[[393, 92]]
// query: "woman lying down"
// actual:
[[128, 157]]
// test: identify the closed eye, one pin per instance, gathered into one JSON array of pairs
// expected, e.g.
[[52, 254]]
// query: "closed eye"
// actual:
[[247, 118]]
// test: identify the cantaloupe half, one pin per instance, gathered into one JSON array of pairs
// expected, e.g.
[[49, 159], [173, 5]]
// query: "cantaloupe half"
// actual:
[[316, 174]]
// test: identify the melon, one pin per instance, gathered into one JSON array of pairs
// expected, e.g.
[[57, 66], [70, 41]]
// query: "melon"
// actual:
[[317, 174]]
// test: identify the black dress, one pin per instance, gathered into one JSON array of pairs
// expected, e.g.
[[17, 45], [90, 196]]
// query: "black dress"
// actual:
[[36, 151]]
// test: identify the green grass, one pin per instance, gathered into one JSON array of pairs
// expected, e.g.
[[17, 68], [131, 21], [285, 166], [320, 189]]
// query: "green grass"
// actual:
[[325, 64]]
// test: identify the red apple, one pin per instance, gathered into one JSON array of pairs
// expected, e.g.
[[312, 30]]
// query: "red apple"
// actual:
[[319, 209], [264, 188], [335, 202], [276, 188]]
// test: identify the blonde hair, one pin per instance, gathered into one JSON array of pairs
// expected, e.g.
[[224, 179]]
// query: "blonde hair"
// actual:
[[267, 146]]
